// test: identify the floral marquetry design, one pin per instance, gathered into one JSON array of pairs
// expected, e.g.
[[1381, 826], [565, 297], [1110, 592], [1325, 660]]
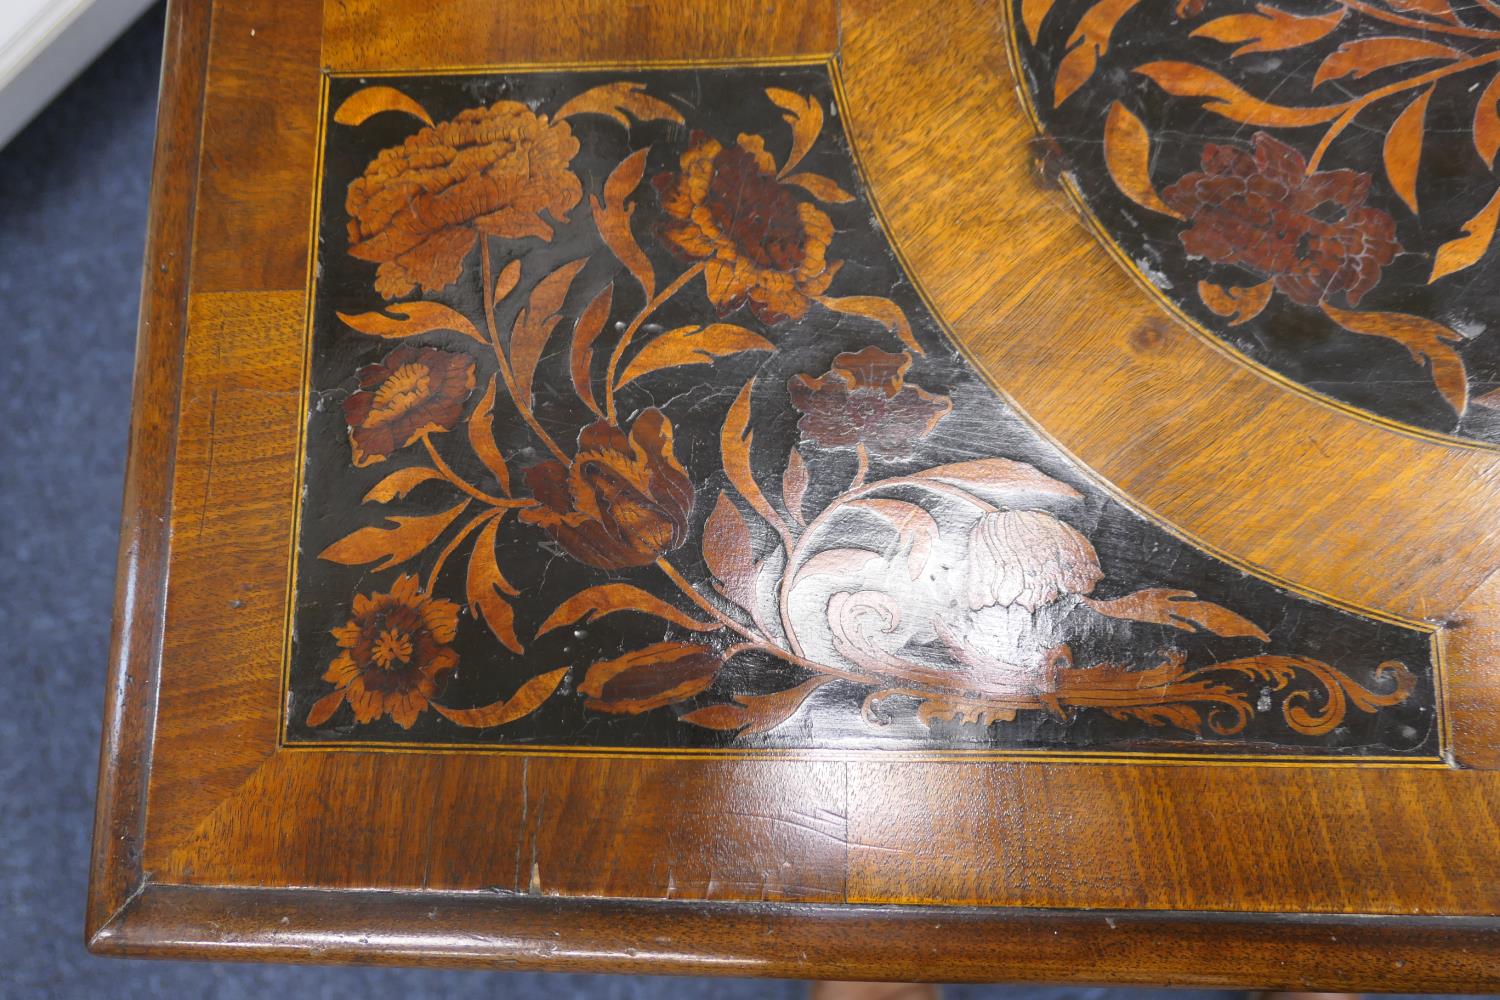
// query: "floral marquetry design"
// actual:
[[759, 242], [863, 402], [1312, 182], [411, 392], [626, 429], [1311, 234], [394, 655], [420, 207], [622, 501]]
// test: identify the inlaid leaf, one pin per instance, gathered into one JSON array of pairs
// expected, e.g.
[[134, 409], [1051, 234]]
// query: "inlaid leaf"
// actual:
[[585, 332], [367, 102], [1224, 98], [725, 717], [1127, 153], [734, 448], [1479, 233], [411, 319], [757, 713], [1364, 56], [794, 483], [610, 598], [1242, 304], [878, 308], [693, 345], [1180, 609], [1403, 148], [1427, 340], [1487, 121], [727, 551], [1000, 480], [399, 483], [1087, 44], [615, 100], [1440, 9], [1270, 29], [915, 527], [1033, 13], [612, 217], [482, 438], [843, 562], [1490, 400], [510, 277], [535, 323], [820, 187], [519, 705], [394, 545], [324, 708], [484, 586], [805, 116], [649, 678]]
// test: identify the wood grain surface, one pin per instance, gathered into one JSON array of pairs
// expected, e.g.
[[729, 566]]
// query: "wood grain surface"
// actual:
[[215, 840]]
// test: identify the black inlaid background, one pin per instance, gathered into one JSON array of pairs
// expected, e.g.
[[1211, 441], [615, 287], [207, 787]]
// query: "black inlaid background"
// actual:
[[726, 102]]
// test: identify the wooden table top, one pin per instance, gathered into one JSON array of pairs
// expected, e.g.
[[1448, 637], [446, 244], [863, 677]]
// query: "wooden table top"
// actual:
[[917, 489]]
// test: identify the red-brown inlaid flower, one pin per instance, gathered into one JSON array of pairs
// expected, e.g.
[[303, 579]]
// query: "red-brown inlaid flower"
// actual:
[[864, 399], [1311, 234], [761, 243], [413, 391], [623, 501], [395, 656], [420, 206]]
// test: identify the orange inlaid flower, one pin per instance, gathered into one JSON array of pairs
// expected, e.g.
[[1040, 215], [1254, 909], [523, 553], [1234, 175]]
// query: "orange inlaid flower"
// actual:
[[623, 501], [395, 656], [413, 391], [761, 244], [864, 399], [420, 206]]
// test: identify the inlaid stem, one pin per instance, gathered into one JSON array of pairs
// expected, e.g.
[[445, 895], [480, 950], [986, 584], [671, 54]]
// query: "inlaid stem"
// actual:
[[1345, 119], [448, 550], [1437, 27], [446, 471], [630, 331]]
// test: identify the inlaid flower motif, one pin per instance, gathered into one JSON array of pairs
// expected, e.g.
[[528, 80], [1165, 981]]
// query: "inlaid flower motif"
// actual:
[[1310, 234], [420, 207], [864, 399], [761, 243], [394, 657], [1028, 559], [413, 391], [623, 501]]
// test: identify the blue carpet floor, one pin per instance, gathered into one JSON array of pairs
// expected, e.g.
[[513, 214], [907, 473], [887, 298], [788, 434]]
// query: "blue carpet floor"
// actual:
[[72, 221]]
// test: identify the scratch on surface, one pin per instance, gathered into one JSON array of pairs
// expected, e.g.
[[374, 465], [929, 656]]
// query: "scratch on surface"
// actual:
[[432, 808], [208, 486], [806, 826], [525, 807]]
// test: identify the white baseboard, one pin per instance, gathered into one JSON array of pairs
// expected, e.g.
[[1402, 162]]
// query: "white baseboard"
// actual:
[[45, 43]]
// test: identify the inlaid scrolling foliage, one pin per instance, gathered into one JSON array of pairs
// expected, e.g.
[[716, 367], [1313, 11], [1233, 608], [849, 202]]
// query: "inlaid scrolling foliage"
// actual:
[[958, 592], [1285, 207]]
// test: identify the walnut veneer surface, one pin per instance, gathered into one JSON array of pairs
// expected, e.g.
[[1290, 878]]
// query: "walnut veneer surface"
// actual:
[[877, 489]]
